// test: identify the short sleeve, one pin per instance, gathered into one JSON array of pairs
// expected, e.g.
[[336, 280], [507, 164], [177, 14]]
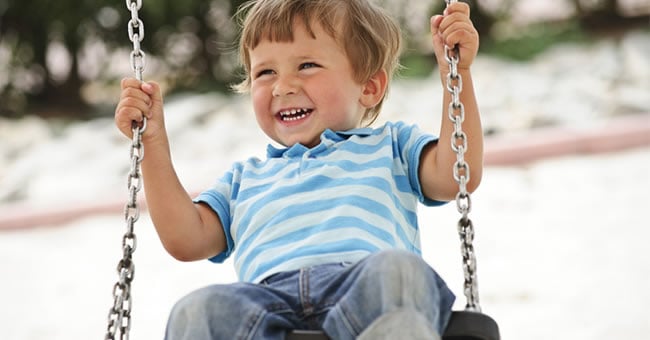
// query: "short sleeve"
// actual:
[[218, 199], [410, 143]]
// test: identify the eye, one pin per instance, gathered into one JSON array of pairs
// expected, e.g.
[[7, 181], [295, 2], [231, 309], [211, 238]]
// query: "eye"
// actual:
[[308, 65], [263, 73]]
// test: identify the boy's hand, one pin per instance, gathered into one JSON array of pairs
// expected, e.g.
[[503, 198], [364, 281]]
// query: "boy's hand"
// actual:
[[138, 100], [452, 28]]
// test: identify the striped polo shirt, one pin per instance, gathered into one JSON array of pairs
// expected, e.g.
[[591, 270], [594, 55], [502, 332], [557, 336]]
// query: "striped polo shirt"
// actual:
[[354, 194]]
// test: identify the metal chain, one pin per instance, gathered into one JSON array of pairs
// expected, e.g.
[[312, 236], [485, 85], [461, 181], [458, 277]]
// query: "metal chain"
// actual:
[[456, 113], [136, 34], [119, 316]]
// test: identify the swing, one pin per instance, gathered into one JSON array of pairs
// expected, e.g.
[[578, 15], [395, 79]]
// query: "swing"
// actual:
[[468, 324]]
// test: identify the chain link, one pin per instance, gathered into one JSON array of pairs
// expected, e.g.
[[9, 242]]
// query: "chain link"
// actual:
[[119, 315], [456, 113], [136, 34]]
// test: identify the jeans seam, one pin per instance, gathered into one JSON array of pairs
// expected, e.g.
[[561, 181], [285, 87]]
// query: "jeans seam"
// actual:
[[350, 322], [305, 303], [253, 324]]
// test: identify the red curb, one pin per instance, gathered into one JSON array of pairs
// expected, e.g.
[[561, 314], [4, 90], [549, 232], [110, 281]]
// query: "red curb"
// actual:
[[21, 216], [618, 134]]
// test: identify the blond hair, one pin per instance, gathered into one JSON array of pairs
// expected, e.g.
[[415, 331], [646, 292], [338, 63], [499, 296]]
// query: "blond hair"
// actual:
[[370, 38]]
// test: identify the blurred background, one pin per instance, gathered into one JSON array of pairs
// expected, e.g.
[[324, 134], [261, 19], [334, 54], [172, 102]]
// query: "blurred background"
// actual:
[[564, 92], [64, 58]]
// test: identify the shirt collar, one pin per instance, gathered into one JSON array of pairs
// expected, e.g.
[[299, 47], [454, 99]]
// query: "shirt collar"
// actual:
[[328, 138]]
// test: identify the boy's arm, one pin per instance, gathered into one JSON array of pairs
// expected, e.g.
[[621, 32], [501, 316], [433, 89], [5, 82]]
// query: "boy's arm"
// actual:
[[437, 160], [188, 231]]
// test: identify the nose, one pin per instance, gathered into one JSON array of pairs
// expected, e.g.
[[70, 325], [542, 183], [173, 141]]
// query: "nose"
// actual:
[[285, 85]]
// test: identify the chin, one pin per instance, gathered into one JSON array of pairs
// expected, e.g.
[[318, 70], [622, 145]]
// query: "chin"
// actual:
[[290, 141]]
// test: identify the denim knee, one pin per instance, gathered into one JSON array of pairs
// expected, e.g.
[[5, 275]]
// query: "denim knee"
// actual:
[[400, 324], [232, 311], [401, 270], [195, 310], [214, 312], [385, 282], [192, 306], [396, 262], [408, 280]]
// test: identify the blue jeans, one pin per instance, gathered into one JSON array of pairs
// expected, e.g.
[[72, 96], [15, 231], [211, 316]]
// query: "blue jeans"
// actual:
[[387, 295]]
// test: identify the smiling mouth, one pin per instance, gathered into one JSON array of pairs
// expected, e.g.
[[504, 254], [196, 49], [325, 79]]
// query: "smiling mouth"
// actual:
[[294, 114]]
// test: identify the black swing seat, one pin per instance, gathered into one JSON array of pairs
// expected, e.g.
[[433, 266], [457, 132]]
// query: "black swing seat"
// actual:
[[468, 325], [463, 325]]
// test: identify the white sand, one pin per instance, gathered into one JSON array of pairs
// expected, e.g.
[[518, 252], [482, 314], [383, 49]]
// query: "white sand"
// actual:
[[561, 247]]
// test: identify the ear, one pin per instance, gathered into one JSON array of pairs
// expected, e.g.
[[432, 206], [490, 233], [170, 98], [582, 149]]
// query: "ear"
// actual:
[[374, 89]]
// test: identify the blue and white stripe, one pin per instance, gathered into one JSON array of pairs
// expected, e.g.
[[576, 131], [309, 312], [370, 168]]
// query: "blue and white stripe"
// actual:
[[354, 194]]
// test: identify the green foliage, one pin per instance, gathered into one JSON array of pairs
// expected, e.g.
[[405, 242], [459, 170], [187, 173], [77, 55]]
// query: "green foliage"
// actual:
[[417, 65], [65, 57], [52, 52], [533, 40]]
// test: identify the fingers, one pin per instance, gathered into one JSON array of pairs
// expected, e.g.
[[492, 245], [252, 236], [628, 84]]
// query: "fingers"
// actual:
[[133, 101], [454, 26], [457, 33], [457, 7], [435, 23], [152, 89], [136, 101]]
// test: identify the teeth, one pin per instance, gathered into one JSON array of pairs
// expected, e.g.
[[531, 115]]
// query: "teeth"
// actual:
[[294, 114]]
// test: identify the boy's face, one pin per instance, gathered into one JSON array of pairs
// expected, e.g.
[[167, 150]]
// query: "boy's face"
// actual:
[[303, 87]]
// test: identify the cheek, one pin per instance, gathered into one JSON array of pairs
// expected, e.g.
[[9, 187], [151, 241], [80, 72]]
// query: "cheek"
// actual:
[[332, 95], [261, 106], [261, 100], [344, 101]]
